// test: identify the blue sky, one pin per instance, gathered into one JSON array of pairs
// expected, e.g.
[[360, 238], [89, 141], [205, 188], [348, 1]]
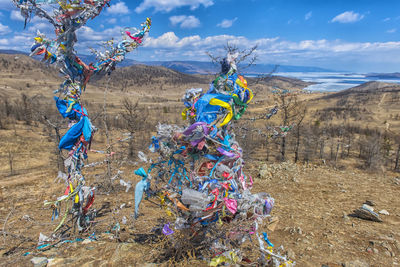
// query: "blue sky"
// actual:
[[356, 35]]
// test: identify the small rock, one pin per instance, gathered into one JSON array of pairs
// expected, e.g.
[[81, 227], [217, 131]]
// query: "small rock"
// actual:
[[299, 231], [39, 261], [55, 262], [387, 246], [95, 263], [126, 247], [397, 245], [356, 263], [86, 241], [387, 253], [384, 212], [376, 251], [370, 203], [290, 253], [367, 213], [107, 236]]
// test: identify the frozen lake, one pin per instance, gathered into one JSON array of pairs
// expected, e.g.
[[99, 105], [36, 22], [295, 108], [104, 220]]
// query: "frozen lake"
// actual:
[[332, 81]]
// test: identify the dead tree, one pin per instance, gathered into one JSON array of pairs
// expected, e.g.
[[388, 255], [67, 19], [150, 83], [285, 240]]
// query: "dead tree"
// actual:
[[291, 111], [301, 116], [396, 163], [133, 121], [11, 161], [56, 137]]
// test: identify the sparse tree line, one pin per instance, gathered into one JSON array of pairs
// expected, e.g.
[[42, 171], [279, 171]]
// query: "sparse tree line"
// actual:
[[322, 140], [38, 111], [317, 141]]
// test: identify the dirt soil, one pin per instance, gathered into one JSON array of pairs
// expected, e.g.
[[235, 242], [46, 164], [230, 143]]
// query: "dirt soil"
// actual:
[[313, 204]]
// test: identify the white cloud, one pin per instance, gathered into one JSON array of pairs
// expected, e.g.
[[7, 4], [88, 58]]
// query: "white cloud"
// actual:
[[391, 30], [44, 27], [16, 15], [4, 42], [386, 19], [227, 23], [21, 42], [111, 21], [87, 37], [184, 21], [4, 29], [308, 15], [347, 17], [169, 5], [118, 8], [333, 54]]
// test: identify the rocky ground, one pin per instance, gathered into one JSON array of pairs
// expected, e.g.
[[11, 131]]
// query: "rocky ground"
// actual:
[[313, 220]]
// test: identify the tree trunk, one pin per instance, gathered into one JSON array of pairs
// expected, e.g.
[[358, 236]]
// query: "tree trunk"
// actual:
[[396, 165], [321, 149], [11, 161], [296, 151], [108, 150], [283, 148], [337, 151]]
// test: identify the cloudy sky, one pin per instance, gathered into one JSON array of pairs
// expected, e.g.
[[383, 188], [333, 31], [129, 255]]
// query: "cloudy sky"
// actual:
[[356, 35]]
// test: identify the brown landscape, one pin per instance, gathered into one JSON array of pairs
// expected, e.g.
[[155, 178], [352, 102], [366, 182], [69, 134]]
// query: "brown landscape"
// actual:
[[343, 150]]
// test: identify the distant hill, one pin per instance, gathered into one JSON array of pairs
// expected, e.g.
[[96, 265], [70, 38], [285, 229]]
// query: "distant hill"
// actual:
[[394, 75], [370, 88], [189, 67], [12, 52], [143, 75], [371, 105], [201, 67]]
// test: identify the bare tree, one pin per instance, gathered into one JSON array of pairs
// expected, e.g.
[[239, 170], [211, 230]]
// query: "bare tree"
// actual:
[[396, 164], [133, 120], [11, 161], [56, 137], [291, 111], [301, 116]]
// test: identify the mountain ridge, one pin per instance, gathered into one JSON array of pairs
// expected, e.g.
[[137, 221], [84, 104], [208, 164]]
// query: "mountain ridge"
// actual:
[[201, 67]]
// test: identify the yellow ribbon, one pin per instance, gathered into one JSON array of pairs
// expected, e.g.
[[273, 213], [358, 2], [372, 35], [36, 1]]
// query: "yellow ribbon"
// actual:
[[184, 114], [38, 39], [233, 258], [228, 117]]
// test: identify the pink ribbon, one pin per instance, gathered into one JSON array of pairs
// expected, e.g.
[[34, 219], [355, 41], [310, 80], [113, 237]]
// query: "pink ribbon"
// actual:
[[231, 204]]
